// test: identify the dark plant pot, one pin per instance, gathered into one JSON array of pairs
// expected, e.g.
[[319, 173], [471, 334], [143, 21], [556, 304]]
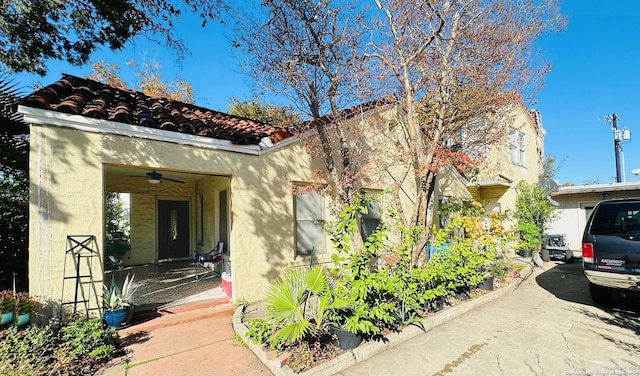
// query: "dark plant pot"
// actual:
[[461, 294], [487, 283], [435, 306], [346, 339], [526, 253], [115, 317], [6, 319]]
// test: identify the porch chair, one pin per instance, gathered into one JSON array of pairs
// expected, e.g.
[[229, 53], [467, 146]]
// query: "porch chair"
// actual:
[[208, 261]]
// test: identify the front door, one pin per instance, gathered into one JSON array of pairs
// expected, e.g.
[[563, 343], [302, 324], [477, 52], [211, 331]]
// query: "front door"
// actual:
[[173, 229]]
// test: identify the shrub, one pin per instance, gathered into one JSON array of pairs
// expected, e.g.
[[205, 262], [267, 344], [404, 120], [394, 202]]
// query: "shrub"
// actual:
[[26, 352], [89, 337], [299, 303], [261, 331], [24, 304], [7, 301], [76, 349]]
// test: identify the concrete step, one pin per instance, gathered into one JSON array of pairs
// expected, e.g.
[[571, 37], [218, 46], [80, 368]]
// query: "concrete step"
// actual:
[[176, 315]]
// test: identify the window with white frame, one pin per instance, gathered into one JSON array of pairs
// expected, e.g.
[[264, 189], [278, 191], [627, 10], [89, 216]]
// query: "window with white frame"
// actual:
[[309, 219], [518, 147], [522, 146]]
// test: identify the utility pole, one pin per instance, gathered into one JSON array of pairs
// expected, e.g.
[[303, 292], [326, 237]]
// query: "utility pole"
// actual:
[[616, 146], [618, 136]]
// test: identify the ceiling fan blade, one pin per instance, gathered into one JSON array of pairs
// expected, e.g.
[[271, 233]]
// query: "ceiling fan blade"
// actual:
[[174, 180]]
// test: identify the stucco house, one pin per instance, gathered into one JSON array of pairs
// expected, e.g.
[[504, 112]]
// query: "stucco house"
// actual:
[[196, 177], [575, 204], [517, 155], [223, 178]]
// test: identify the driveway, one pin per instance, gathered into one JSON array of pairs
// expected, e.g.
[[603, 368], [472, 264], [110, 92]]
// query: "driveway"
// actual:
[[548, 326]]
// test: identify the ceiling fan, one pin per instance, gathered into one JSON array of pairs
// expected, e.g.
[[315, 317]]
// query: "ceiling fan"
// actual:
[[155, 177]]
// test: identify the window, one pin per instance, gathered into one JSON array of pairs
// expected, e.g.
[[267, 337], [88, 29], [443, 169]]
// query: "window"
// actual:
[[617, 219], [522, 143], [518, 147], [370, 221], [587, 212], [309, 219]]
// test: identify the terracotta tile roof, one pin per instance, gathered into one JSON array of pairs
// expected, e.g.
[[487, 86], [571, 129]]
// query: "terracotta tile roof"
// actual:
[[80, 96], [358, 109]]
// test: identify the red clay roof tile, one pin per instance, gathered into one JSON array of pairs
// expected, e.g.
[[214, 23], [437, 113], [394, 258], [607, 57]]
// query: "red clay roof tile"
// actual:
[[80, 96]]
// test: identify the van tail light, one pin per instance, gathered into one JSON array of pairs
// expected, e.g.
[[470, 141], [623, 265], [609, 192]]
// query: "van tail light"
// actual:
[[587, 252]]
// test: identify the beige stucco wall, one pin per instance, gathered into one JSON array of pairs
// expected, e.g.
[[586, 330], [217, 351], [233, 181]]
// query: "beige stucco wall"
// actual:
[[67, 198], [498, 157], [68, 184], [498, 165]]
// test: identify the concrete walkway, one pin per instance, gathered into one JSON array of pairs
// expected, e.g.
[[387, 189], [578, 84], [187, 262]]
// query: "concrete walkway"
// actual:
[[195, 336], [191, 337], [549, 327]]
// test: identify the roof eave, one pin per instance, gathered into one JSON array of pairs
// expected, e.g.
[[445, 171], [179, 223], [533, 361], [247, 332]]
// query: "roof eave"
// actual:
[[48, 117], [596, 188]]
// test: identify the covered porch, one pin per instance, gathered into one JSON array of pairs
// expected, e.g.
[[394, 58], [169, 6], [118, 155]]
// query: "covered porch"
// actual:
[[159, 215], [155, 220], [159, 285]]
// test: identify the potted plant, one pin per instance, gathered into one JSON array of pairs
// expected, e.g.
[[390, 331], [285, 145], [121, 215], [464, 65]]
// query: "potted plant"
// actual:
[[23, 307], [529, 239], [7, 305], [495, 270], [117, 301]]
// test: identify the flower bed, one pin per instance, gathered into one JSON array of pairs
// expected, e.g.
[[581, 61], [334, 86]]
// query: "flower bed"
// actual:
[[298, 360]]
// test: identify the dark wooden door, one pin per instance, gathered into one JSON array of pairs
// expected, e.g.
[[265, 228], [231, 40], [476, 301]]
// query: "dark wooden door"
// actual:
[[173, 229]]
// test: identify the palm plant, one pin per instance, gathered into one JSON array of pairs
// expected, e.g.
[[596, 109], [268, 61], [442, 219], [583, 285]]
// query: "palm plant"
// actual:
[[299, 302]]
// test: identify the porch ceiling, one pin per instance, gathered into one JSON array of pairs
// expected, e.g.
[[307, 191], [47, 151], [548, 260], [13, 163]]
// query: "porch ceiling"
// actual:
[[111, 171]]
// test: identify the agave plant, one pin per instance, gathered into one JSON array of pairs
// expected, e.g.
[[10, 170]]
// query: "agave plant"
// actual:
[[114, 297], [299, 302]]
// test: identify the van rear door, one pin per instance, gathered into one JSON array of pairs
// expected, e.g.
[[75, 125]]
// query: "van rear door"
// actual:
[[614, 234]]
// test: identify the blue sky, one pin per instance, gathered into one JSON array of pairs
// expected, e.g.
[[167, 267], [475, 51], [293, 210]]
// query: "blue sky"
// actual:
[[595, 72]]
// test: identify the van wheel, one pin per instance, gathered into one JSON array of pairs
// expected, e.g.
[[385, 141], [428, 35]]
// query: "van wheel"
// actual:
[[546, 257], [600, 294]]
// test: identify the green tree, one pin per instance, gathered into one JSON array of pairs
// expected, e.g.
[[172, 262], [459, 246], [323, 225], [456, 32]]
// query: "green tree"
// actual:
[[150, 80], [32, 32], [14, 190], [533, 212], [268, 113]]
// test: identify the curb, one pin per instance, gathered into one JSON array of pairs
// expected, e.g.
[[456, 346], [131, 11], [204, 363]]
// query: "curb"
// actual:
[[369, 349]]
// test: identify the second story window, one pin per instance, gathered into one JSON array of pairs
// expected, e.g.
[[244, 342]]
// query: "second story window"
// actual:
[[522, 146], [518, 147]]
